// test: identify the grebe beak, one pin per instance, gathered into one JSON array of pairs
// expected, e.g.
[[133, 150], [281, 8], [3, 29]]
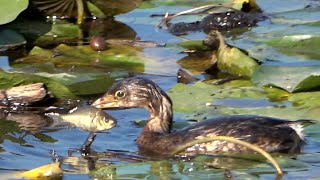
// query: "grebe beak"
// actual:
[[106, 101]]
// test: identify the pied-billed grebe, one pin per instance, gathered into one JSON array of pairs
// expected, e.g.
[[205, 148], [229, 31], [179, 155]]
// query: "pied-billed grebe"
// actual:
[[270, 134]]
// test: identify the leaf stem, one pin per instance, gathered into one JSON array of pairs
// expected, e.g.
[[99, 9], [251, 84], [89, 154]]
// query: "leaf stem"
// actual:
[[80, 9], [233, 140]]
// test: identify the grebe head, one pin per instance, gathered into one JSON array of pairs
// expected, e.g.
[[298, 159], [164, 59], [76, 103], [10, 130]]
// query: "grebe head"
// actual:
[[137, 92]]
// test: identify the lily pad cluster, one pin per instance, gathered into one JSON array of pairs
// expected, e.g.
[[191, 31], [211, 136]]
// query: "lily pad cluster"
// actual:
[[72, 71]]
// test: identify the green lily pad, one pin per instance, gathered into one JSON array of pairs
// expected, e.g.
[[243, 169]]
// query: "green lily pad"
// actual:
[[9, 10], [194, 45], [60, 32], [98, 85], [80, 69], [116, 57], [81, 81], [235, 62], [304, 46], [204, 94], [15, 79], [290, 78], [241, 97], [26, 27]]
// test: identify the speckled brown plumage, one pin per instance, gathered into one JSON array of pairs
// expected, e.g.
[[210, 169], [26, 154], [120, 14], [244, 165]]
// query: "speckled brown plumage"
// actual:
[[270, 134]]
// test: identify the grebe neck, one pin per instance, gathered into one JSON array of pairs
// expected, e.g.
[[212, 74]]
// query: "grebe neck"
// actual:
[[160, 109]]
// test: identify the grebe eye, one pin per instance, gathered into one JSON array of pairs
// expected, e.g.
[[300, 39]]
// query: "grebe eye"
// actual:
[[120, 94]]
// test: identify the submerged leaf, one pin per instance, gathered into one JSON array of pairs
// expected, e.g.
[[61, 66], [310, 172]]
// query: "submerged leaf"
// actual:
[[9, 38]]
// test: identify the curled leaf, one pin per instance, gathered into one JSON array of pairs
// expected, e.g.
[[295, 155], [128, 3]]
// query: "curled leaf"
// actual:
[[232, 60]]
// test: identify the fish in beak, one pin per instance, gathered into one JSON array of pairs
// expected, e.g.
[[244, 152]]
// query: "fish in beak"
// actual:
[[106, 101]]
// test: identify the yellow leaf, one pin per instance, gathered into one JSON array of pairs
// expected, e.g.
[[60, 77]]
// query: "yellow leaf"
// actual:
[[43, 172]]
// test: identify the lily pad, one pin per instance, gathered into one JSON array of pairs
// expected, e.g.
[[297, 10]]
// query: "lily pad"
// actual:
[[59, 33], [9, 10], [304, 46], [241, 97], [235, 62], [194, 45], [80, 70], [14, 79], [117, 57], [204, 94], [290, 78]]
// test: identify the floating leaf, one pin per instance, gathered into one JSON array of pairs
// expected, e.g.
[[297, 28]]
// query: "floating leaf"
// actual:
[[9, 10], [43, 172], [60, 33], [194, 45], [290, 78], [240, 97], [304, 46], [80, 70], [116, 57], [205, 94], [233, 61], [14, 79]]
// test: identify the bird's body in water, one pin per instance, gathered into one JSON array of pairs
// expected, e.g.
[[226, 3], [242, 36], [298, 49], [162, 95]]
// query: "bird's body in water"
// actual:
[[270, 134]]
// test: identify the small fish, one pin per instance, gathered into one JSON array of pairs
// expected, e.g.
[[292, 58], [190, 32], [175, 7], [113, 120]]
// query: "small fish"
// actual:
[[87, 118]]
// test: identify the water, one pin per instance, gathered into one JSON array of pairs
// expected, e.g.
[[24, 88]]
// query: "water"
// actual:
[[25, 143]]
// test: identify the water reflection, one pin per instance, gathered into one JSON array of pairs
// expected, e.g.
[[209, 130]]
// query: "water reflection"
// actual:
[[16, 126], [27, 121], [165, 169]]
